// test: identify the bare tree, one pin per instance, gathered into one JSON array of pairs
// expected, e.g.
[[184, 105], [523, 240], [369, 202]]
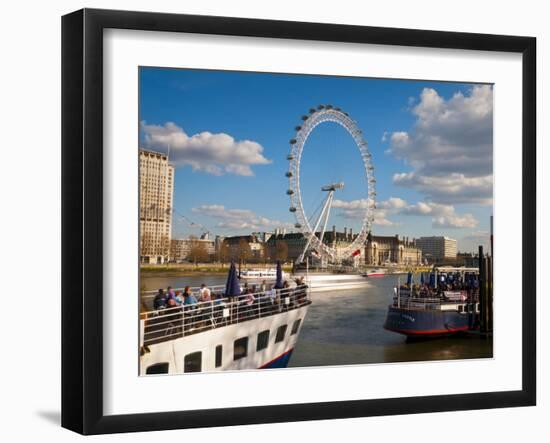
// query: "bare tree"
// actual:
[[198, 252], [223, 252], [244, 252], [281, 251]]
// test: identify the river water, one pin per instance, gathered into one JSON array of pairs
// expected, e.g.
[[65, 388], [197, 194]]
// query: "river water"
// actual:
[[346, 327]]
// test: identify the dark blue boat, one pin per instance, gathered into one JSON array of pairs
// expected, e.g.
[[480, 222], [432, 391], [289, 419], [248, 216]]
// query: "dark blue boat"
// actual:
[[447, 304]]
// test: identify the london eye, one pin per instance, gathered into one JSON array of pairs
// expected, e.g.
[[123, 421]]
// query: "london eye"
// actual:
[[310, 225]]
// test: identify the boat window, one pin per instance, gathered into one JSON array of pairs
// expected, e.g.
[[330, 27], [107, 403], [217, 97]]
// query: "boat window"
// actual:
[[240, 348], [263, 340], [280, 333], [158, 368], [295, 326], [218, 356], [192, 362]]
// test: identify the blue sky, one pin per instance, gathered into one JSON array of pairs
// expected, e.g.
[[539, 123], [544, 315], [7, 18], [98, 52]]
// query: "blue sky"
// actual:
[[229, 135]]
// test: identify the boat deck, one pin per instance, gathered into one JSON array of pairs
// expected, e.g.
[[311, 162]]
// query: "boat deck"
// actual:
[[166, 324]]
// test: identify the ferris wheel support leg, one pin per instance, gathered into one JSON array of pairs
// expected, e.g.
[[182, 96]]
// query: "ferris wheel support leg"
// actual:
[[300, 259], [330, 197]]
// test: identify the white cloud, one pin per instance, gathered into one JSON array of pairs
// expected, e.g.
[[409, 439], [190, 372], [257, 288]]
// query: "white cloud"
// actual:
[[239, 219], [443, 216], [392, 203], [400, 139], [455, 221], [452, 188], [356, 210], [215, 154], [450, 147]]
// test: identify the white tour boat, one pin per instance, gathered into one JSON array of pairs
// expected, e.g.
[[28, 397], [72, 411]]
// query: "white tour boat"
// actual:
[[260, 274], [251, 331], [332, 281], [377, 272]]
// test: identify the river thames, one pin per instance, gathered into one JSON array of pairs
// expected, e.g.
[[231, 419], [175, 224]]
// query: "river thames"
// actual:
[[346, 327]]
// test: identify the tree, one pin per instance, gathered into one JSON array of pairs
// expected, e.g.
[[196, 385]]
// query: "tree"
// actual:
[[281, 251], [198, 252], [223, 252], [244, 252]]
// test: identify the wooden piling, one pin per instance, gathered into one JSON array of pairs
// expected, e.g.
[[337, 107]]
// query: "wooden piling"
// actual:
[[485, 293]]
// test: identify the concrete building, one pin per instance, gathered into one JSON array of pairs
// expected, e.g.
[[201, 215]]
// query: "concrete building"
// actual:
[[381, 250], [295, 243], [437, 249], [248, 248], [155, 206], [285, 247], [467, 259], [192, 249]]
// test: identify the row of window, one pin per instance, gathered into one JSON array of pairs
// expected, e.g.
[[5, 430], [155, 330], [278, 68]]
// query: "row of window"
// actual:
[[193, 361]]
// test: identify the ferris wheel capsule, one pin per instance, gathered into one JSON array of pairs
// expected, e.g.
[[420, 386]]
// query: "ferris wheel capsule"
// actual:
[[290, 157], [292, 209], [298, 226], [290, 192], [288, 174]]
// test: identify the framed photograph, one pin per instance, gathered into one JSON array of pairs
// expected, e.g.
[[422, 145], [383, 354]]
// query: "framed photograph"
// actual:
[[269, 221]]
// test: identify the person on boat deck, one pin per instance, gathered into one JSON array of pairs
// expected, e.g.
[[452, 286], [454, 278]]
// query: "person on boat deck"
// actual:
[[188, 297], [244, 289], [272, 295], [205, 293], [159, 301], [263, 286], [178, 298], [170, 293]]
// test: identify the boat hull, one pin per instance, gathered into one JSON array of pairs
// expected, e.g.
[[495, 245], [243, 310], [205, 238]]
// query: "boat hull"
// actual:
[[275, 355], [280, 362], [415, 323]]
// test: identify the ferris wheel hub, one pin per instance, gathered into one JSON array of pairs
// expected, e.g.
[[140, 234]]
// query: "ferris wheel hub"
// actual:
[[333, 186]]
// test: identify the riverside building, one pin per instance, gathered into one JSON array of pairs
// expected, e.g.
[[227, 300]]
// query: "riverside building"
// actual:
[[437, 249], [155, 206], [381, 250]]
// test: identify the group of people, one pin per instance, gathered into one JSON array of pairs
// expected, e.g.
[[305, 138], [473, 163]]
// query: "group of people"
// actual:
[[445, 284], [203, 307], [172, 298]]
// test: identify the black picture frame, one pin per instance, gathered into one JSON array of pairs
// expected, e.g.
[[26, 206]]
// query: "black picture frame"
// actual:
[[82, 218]]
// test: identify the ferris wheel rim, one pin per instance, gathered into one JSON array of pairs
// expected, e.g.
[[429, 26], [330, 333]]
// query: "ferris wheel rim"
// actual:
[[310, 122]]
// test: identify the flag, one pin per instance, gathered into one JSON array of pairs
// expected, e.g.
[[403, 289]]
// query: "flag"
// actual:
[[356, 253]]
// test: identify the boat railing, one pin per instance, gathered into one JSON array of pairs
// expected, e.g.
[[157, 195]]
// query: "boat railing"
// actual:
[[174, 322], [432, 303]]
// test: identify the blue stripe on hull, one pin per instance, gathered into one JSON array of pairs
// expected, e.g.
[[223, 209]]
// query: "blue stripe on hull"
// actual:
[[429, 322], [279, 362]]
